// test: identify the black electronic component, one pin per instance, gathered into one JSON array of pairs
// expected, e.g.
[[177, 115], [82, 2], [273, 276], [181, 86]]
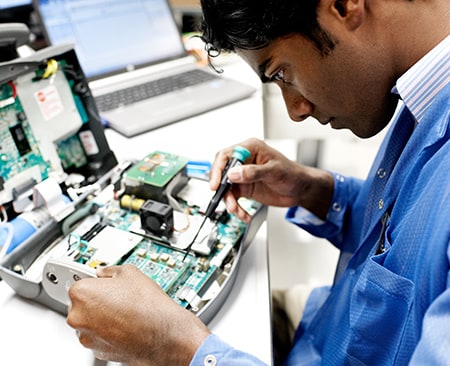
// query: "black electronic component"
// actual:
[[157, 218], [20, 139], [21, 116], [223, 217]]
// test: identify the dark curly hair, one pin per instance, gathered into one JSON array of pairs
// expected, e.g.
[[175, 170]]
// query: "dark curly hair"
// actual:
[[227, 25]]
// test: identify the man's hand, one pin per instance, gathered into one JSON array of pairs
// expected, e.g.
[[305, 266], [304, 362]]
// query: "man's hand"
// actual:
[[272, 179], [124, 316]]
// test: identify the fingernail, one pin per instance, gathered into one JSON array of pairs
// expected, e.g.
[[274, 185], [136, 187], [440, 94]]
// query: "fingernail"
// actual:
[[235, 174]]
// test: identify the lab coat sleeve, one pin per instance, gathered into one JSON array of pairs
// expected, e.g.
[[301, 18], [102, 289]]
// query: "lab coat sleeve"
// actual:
[[214, 351], [434, 344], [346, 190]]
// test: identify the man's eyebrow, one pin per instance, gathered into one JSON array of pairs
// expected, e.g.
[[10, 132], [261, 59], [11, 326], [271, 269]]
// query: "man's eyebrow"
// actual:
[[262, 71]]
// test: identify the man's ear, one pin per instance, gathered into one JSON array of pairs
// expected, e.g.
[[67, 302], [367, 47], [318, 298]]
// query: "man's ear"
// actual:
[[351, 12]]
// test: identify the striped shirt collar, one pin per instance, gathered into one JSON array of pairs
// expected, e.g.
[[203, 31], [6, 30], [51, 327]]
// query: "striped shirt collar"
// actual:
[[423, 81]]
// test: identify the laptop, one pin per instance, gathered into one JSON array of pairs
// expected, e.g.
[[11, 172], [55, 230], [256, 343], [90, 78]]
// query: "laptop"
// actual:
[[129, 48]]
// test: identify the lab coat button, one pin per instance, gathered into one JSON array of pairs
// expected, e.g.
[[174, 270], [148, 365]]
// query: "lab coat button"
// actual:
[[336, 207], [381, 173], [210, 360]]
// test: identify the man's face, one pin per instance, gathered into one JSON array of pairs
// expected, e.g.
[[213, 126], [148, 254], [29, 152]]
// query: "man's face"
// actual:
[[347, 88]]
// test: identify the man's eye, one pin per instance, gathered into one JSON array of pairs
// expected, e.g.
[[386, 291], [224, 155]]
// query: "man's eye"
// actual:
[[279, 76]]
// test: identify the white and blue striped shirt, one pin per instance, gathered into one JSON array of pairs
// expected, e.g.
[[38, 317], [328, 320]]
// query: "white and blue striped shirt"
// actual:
[[423, 81]]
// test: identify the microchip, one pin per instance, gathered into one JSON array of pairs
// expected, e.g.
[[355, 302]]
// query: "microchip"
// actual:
[[20, 139]]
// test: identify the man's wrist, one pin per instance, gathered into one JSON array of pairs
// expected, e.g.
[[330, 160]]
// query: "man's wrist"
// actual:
[[318, 193]]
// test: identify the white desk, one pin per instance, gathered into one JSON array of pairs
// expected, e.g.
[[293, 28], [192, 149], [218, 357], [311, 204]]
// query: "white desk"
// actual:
[[31, 334]]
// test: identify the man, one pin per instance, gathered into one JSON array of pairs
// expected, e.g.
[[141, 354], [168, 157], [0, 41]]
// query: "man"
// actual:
[[346, 63]]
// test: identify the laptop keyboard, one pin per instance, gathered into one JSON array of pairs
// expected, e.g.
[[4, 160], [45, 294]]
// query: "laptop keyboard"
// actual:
[[151, 89]]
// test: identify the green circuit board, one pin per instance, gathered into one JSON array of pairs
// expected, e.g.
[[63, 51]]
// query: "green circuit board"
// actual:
[[184, 279], [156, 169], [180, 279], [19, 148]]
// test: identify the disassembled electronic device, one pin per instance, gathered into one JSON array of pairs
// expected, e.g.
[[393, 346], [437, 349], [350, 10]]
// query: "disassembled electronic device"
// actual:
[[69, 207]]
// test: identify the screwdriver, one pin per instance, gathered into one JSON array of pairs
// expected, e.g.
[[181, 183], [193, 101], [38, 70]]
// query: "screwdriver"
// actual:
[[240, 154]]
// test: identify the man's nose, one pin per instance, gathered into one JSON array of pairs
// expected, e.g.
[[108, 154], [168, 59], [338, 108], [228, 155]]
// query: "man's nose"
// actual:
[[299, 108]]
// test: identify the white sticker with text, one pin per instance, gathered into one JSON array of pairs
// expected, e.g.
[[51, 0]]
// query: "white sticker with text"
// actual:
[[49, 102]]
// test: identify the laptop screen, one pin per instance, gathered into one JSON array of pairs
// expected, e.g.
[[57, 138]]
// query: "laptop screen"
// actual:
[[112, 36]]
